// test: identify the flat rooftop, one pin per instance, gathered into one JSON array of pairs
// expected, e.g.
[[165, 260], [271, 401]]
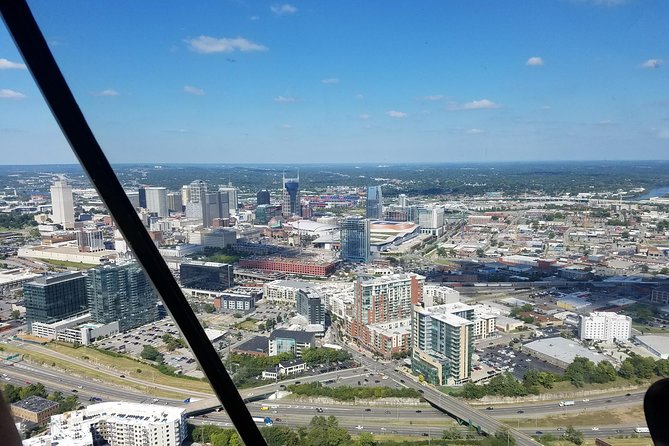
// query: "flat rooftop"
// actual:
[[564, 350], [35, 404]]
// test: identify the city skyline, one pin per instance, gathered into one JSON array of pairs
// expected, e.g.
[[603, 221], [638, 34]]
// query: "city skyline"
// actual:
[[288, 83]]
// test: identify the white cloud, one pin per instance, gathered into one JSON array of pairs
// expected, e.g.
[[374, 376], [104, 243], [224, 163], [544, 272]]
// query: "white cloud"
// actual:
[[193, 90], [109, 92], [364, 116], [286, 126], [652, 63], [253, 18], [480, 105], [330, 81], [9, 65], [359, 96], [475, 131], [396, 114], [434, 97], [546, 107], [285, 99], [663, 134], [284, 9], [6, 93], [534, 62], [207, 44]]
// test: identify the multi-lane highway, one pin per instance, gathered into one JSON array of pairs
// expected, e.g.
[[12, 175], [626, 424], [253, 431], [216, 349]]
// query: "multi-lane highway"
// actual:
[[407, 420]]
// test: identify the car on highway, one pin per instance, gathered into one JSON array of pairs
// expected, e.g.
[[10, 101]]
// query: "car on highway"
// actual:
[[359, 427], [74, 391], [319, 409], [521, 411], [368, 410], [608, 401], [489, 408], [595, 428], [539, 433]]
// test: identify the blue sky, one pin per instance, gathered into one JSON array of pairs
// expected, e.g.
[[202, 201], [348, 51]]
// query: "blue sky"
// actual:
[[349, 81]]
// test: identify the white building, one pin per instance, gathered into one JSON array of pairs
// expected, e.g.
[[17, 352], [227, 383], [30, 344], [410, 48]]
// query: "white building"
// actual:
[[62, 204], [283, 291], [116, 424], [605, 326], [439, 294], [156, 200], [78, 329], [485, 321], [431, 220]]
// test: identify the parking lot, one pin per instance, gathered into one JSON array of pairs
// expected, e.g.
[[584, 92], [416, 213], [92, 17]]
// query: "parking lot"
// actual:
[[132, 343], [514, 362]]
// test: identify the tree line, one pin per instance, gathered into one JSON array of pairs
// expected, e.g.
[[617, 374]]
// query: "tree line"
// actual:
[[323, 431], [348, 393], [580, 372]]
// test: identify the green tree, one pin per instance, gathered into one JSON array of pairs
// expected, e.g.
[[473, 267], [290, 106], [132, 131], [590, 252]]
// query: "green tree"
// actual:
[[326, 432], [279, 436], [573, 435], [451, 433], [365, 439], [15, 314], [150, 353], [235, 440], [626, 370]]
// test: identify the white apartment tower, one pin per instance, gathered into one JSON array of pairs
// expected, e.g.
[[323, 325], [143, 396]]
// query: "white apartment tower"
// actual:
[[62, 204], [605, 326]]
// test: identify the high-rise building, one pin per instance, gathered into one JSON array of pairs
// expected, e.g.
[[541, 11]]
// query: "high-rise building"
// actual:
[[291, 196], [443, 343], [430, 219], [62, 204], [175, 201], [210, 276], [605, 326], [121, 292], [382, 300], [53, 298], [355, 240], [185, 194], [156, 200], [142, 197], [133, 197], [262, 197], [90, 240], [374, 202], [196, 207], [218, 206], [402, 201], [310, 305], [232, 193]]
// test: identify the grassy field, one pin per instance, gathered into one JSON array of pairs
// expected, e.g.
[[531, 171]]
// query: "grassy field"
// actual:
[[249, 325], [64, 264], [647, 329], [622, 415], [130, 367], [76, 369]]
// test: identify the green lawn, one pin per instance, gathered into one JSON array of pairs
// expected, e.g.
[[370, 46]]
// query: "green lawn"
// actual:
[[64, 264]]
